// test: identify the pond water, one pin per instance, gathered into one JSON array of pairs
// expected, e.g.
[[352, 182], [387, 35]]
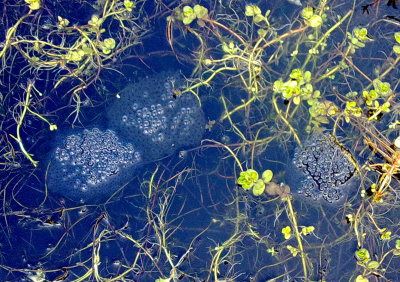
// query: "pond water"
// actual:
[[126, 125]]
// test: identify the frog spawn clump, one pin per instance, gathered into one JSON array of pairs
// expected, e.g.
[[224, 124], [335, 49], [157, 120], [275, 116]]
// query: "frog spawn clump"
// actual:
[[86, 163], [326, 165], [147, 118], [148, 115]]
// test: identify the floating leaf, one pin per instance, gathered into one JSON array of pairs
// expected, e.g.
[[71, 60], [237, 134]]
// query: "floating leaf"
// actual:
[[252, 10], [188, 15], [361, 278], [307, 12], [200, 11], [293, 250], [314, 21], [307, 230], [109, 43], [363, 255], [129, 5], [258, 18], [396, 49], [267, 176], [373, 264], [261, 32], [297, 100], [247, 178], [258, 187], [397, 37], [287, 232]]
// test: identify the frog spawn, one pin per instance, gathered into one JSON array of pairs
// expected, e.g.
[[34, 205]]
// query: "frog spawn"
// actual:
[[85, 164], [150, 123], [326, 166], [156, 122]]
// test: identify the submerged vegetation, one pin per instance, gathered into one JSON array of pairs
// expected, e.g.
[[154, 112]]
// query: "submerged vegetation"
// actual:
[[269, 76]]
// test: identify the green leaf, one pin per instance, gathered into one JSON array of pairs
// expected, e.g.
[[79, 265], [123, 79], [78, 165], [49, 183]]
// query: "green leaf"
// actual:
[[287, 232], [187, 11], [129, 5], [297, 100], [258, 187], [200, 11], [267, 176], [307, 12], [245, 183], [261, 32], [163, 279], [188, 20], [252, 10], [398, 244], [386, 108], [258, 18], [272, 251], [188, 15], [351, 104], [361, 34], [382, 88], [396, 252], [109, 43], [361, 278], [33, 4], [307, 230], [252, 174], [278, 86], [293, 250], [397, 37], [314, 21], [296, 74], [373, 264], [362, 255], [396, 49], [247, 178]]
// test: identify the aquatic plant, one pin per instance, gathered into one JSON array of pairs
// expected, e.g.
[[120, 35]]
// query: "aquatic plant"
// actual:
[[249, 179], [76, 52]]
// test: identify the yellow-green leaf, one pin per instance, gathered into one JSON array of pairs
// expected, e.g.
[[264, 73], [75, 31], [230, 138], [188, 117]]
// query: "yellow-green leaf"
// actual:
[[361, 278], [397, 37], [373, 264], [267, 175], [258, 187], [287, 232]]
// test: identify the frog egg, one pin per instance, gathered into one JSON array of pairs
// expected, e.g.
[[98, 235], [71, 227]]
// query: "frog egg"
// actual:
[[167, 85], [83, 187], [171, 104]]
